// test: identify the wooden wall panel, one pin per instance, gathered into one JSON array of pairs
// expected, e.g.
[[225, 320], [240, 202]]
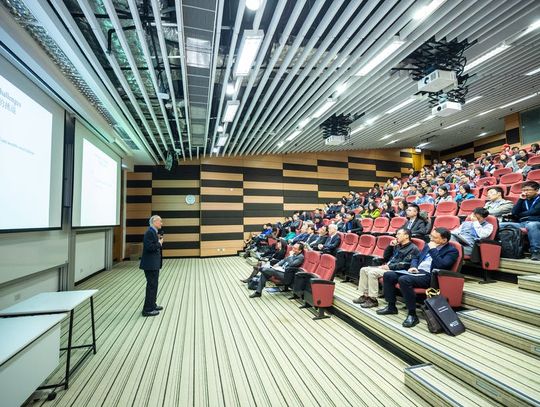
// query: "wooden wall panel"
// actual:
[[237, 195]]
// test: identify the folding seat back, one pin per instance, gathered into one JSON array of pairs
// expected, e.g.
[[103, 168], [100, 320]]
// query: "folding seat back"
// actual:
[[431, 194], [327, 265], [450, 287], [288, 251], [493, 220], [349, 243], [512, 197], [515, 189], [419, 243], [447, 221], [357, 211], [397, 199], [311, 261], [486, 181], [501, 171], [396, 223], [512, 178], [535, 160], [410, 198], [428, 208], [366, 244], [341, 239], [469, 205], [534, 175], [382, 243], [380, 225], [475, 192], [367, 224], [446, 208]]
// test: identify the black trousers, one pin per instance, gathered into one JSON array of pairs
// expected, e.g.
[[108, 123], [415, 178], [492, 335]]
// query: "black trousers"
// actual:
[[407, 284], [152, 277], [266, 273]]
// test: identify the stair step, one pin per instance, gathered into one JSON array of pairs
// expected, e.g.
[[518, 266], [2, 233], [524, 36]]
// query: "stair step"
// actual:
[[506, 330], [442, 389], [499, 371], [505, 299], [519, 266], [529, 282]]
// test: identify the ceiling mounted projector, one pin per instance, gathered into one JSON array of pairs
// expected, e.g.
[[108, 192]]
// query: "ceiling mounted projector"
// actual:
[[446, 109], [335, 140], [437, 81]]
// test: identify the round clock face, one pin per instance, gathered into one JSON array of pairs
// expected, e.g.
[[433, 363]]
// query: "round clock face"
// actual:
[[190, 199]]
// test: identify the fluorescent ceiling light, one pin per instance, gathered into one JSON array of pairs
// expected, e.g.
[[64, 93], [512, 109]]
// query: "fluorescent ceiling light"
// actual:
[[533, 72], [518, 101], [293, 135], [422, 144], [230, 89], [303, 123], [222, 140], [253, 5], [474, 99], [426, 11], [486, 112], [359, 128], [385, 137], [530, 28], [393, 141], [280, 144], [220, 129], [380, 57], [198, 52], [327, 105], [412, 126], [371, 120], [215, 150], [249, 47], [230, 110], [486, 56], [428, 118], [482, 134], [400, 106], [456, 124], [342, 88]]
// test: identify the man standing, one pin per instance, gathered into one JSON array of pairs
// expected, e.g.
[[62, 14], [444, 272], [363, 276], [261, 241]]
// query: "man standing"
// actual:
[[437, 254], [398, 256], [151, 262]]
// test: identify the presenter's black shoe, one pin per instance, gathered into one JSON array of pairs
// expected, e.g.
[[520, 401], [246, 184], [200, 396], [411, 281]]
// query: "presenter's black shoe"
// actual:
[[387, 310], [410, 321], [150, 313], [255, 295], [158, 308]]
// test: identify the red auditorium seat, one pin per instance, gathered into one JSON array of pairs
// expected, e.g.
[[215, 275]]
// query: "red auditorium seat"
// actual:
[[380, 225], [419, 243], [319, 290], [366, 244], [490, 252], [410, 198], [512, 178], [311, 261], [515, 189], [534, 175], [486, 181], [533, 160], [501, 171], [469, 205], [428, 208], [349, 241], [396, 223], [447, 221], [397, 199], [446, 208], [367, 224], [512, 197], [475, 192], [341, 239], [345, 251], [485, 190], [382, 242]]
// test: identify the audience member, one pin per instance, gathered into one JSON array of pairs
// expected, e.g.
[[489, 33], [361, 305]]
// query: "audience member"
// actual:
[[474, 228], [496, 204]]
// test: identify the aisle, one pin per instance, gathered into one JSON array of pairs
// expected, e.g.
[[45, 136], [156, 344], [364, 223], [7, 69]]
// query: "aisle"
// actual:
[[212, 346]]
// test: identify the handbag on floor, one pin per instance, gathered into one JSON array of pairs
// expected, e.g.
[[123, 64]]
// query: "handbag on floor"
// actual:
[[432, 323], [443, 312]]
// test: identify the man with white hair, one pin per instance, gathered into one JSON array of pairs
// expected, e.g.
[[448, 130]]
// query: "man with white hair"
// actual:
[[151, 262], [332, 242]]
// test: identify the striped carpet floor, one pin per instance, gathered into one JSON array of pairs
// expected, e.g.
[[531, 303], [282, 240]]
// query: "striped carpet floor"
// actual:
[[213, 346]]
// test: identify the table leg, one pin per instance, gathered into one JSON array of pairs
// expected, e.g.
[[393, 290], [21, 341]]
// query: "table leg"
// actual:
[[70, 335], [93, 324]]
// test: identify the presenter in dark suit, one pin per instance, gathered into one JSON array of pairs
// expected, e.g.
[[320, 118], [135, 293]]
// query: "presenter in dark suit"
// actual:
[[151, 262]]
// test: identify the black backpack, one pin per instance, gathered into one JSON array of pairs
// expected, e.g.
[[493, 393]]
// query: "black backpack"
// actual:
[[512, 241]]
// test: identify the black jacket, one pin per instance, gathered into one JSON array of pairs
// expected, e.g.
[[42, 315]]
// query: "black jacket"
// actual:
[[400, 257], [532, 214], [151, 255], [419, 227]]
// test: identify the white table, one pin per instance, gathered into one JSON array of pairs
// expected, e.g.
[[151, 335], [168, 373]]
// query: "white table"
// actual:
[[58, 303], [29, 353]]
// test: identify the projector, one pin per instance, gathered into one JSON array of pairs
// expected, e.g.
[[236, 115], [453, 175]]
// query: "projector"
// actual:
[[437, 80], [335, 140], [446, 109]]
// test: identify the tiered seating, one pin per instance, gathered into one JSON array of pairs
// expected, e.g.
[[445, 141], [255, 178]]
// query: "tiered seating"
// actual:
[[380, 226], [446, 208], [395, 224], [447, 221], [428, 208], [468, 206], [367, 224], [533, 175], [498, 173]]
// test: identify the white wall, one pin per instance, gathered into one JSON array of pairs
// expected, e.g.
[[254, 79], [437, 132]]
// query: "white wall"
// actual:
[[89, 254], [19, 290]]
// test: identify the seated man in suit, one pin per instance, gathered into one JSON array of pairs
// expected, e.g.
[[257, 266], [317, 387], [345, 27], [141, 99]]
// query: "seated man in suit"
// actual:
[[295, 259], [417, 225], [318, 237], [437, 254], [332, 242]]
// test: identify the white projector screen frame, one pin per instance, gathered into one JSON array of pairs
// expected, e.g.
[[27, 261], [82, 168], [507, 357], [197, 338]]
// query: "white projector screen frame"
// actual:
[[96, 182], [32, 151]]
